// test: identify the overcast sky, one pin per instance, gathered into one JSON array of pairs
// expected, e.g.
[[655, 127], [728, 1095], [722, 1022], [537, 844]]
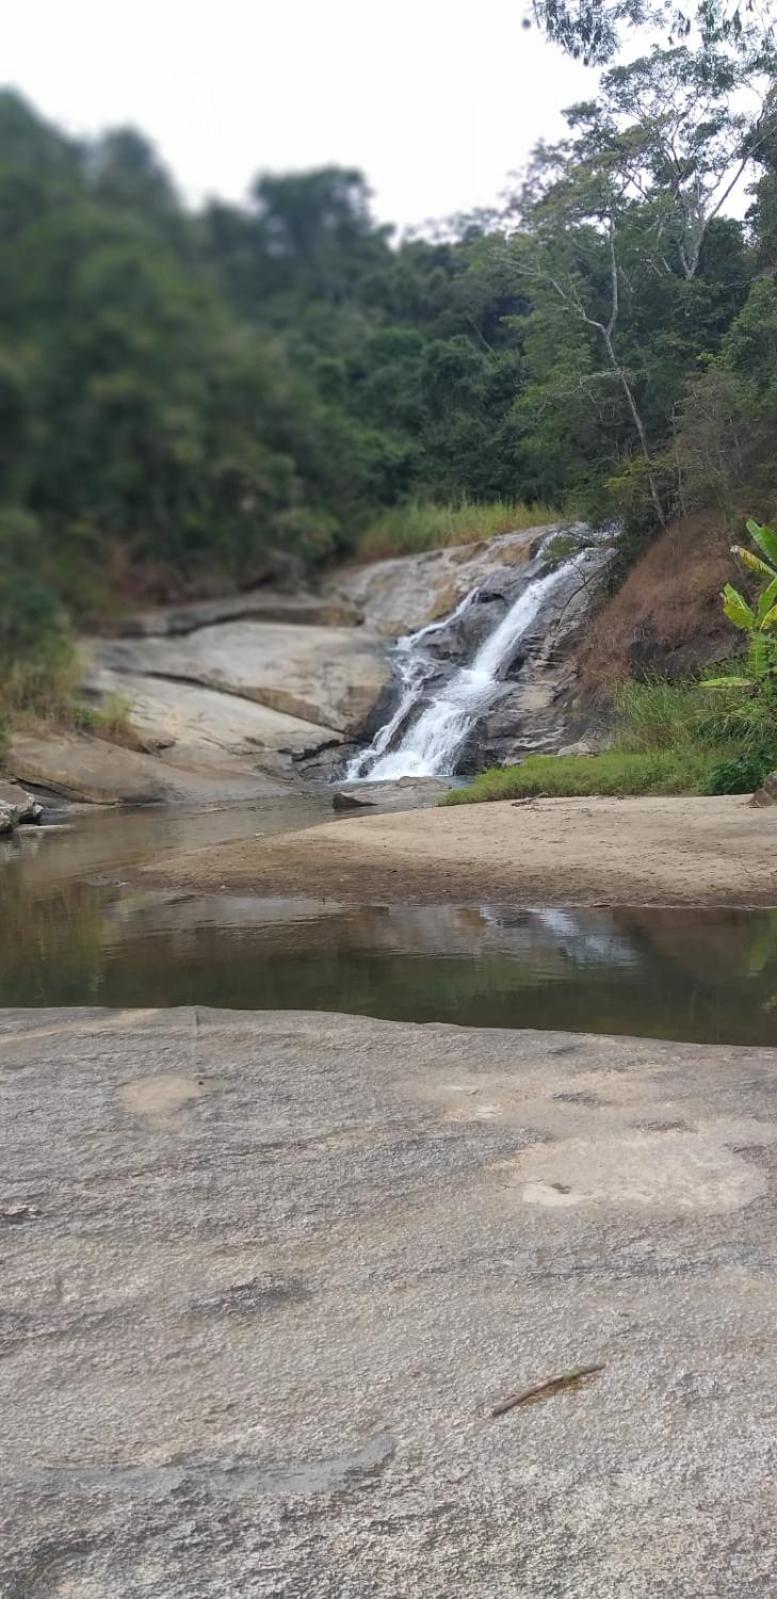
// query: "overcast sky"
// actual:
[[437, 100]]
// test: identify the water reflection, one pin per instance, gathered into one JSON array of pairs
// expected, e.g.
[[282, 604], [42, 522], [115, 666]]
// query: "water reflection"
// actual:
[[67, 938]]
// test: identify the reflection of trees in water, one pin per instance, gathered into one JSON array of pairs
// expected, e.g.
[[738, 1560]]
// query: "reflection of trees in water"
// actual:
[[712, 946], [51, 944], [671, 973]]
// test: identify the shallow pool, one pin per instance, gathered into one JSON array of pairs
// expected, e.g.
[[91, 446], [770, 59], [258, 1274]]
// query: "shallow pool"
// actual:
[[72, 933]]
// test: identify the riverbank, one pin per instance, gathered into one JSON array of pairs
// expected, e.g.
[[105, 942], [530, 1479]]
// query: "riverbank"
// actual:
[[271, 1279], [717, 851]]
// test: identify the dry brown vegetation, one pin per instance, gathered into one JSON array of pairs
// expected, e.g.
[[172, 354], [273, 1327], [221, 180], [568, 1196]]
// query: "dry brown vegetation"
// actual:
[[667, 616]]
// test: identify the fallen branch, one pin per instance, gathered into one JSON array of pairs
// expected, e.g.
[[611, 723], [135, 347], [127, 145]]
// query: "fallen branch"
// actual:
[[546, 1390]]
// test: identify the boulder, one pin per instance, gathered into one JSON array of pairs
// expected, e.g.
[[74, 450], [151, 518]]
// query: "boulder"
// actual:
[[16, 806], [79, 767], [767, 793], [330, 676], [404, 794], [193, 726]]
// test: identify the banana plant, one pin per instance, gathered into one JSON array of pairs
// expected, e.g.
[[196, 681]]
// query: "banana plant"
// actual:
[[759, 621]]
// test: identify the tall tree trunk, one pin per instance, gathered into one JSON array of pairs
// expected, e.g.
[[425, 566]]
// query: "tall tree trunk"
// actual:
[[636, 419]]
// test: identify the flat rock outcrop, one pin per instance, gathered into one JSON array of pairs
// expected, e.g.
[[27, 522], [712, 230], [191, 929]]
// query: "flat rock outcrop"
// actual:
[[190, 725], [275, 1286], [329, 676], [259, 605], [78, 767]]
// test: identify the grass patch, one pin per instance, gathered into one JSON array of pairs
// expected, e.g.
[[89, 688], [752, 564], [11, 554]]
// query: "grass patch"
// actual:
[[412, 528], [42, 694], [109, 721], [614, 772], [669, 738]]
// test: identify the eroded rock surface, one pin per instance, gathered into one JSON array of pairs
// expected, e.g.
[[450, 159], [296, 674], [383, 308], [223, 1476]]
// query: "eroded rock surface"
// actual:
[[266, 1277], [189, 725], [329, 676], [399, 595], [76, 766], [260, 605]]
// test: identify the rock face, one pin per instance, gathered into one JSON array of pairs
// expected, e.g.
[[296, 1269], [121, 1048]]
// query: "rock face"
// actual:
[[326, 675], [270, 1278], [403, 594], [259, 605], [542, 708], [238, 690], [16, 806], [78, 767], [193, 726], [259, 689]]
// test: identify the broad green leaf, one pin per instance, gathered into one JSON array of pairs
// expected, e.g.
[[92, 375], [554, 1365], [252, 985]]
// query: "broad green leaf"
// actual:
[[758, 655], [725, 682], [753, 561], [769, 620], [765, 538], [766, 603], [737, 609]]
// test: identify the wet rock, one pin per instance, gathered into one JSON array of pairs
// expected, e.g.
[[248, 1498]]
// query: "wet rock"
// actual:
[[536, 704], [400, 595], [405, 793], [17, 806]]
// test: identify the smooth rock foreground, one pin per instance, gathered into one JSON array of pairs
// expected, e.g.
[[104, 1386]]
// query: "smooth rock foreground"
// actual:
[[267, 1276]]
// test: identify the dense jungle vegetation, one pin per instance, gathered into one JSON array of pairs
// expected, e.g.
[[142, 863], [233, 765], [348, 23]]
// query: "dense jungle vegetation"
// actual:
[[187, 397]]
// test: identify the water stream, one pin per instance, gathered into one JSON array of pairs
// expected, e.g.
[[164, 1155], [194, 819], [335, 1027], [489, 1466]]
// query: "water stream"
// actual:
[[431, 731], [74, 931]]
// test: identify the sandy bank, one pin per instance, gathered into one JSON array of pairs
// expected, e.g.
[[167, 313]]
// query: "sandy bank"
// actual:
[[564, 851]]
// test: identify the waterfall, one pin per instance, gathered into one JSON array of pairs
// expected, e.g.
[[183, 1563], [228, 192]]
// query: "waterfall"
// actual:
[[431, 740]]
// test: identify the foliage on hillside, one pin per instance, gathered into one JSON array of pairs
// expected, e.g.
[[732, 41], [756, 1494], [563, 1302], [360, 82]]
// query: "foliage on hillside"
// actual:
[[184, 397]]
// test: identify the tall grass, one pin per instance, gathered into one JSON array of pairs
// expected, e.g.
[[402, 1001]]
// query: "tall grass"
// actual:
[[669, 738], [42, 695], [659, 715], [614, 773], [417, 526]]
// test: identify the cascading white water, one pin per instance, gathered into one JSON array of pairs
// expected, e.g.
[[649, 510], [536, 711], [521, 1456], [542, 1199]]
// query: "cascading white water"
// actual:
[[431, 742]]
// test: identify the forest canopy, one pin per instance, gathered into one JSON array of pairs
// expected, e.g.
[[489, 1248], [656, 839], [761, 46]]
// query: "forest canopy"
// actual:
[[187, 396]]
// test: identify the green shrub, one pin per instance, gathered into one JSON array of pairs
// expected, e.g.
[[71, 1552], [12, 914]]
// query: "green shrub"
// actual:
[[110, 721], [742, 774], [559, 548], [614, 772]]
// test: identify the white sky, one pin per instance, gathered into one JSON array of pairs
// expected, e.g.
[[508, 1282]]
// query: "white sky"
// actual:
[[437, 100]]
